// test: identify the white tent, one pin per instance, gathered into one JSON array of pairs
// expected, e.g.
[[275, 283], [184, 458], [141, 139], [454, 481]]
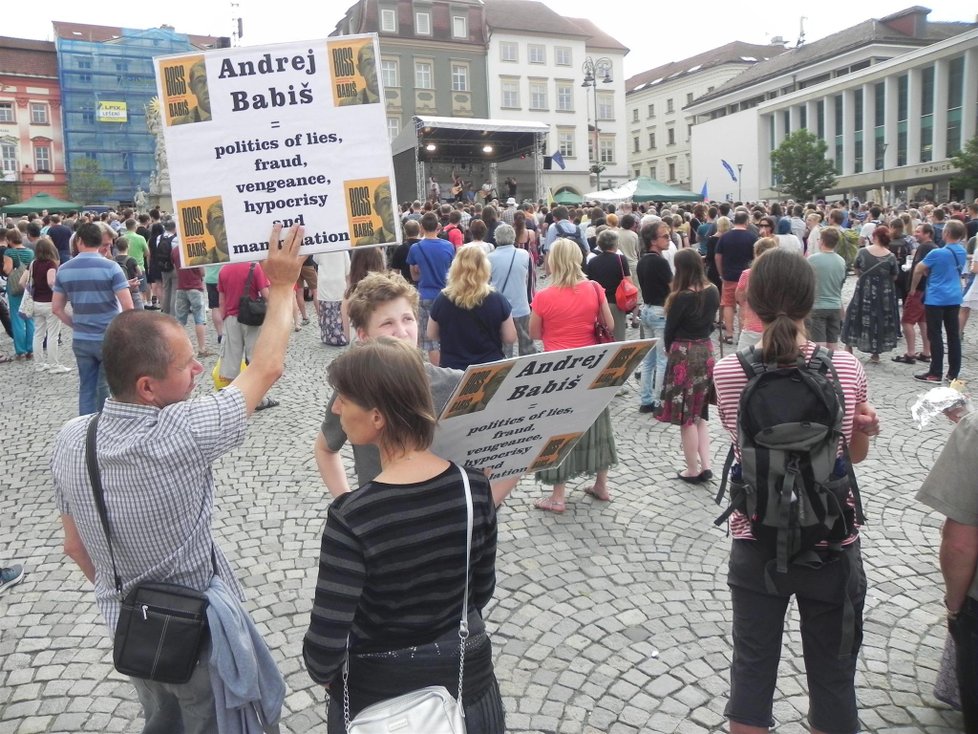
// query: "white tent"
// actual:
[[613, 196]]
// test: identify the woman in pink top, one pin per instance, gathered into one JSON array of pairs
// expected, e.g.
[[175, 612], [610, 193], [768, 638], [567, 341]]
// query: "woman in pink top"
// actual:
[[563, 317], [750, 326]]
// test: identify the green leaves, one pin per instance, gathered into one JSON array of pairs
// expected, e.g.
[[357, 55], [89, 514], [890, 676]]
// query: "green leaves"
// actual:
[[800, 167]]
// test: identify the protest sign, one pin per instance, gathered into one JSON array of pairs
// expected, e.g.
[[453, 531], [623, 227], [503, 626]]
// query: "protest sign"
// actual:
[[526, 414], [288, 133]]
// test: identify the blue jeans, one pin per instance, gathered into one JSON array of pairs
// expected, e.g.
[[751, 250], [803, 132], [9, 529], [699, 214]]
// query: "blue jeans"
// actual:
[[24, 328], [654, 365], [92, 387]]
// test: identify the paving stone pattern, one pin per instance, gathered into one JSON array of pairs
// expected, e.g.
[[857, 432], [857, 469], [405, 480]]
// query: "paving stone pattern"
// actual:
[[608, 618]]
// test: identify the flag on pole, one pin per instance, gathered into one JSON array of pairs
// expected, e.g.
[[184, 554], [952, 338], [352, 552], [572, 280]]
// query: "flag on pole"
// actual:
[[550, 197], [558, 159], [706, 197], [730, 170]]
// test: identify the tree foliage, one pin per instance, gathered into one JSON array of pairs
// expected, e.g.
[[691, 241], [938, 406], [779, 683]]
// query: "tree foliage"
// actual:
[[966, 161], [800, 167], [86, 184]]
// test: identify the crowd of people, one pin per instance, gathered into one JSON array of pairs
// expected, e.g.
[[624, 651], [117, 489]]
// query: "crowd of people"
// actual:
[[471, 284]]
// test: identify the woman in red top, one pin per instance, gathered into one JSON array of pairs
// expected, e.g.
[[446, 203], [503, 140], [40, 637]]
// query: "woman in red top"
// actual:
[[781, 293], [563, 317]]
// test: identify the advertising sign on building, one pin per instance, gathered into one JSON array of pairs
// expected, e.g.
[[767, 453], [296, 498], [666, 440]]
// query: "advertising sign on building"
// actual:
[[112, 112]]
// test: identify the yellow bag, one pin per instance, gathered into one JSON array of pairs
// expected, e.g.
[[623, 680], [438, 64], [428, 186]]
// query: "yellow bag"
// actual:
[[220, 382]]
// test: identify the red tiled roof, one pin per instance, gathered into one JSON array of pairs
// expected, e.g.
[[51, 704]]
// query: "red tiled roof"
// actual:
[[102, 33], [597, 38], [27, 57], [529, 16]]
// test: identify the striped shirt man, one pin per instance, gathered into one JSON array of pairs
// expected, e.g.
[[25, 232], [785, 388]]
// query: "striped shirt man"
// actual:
[[90, 282], [155, 467]]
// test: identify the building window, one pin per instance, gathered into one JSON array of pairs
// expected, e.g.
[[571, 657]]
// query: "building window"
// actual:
[[635, 145], [511, 93], [635, 115], [422, 23], [653, 170], [6, 111], [42, 159], [671, 136], [393, 127], [820, 121], [955, 94], [8, 158], [509, 51], [637, 172], [538, 95], [422, 74], [839, 126], [651, 141], [460, 77], [460, 26], [565, 143], [879, 111], [903, 95], [562, 56], [927, 115], [651, 110], [672, 172], [389, 73], [536, 54], [606, 106], [670, 107], [565, 97], [606, 150], [689, 98], [388, 20]]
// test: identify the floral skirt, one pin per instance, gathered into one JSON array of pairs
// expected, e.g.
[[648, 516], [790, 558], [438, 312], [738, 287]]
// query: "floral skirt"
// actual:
[[331, 324], [688, 382], [594, 452]]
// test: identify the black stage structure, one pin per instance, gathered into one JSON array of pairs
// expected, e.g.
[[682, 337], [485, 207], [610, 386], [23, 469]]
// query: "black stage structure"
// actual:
[[471, 149]]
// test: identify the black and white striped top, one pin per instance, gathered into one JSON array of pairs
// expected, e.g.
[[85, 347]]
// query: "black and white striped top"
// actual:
[[391, 569]]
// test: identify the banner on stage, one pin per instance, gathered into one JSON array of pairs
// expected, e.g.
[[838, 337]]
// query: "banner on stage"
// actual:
[[286, 133], [527, 413]]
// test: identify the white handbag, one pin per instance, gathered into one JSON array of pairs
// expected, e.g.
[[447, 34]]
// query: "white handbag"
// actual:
[[26, 308], [430, 710]]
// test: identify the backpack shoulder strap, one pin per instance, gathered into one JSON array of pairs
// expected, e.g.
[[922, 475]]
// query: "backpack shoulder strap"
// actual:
[[752, 363]]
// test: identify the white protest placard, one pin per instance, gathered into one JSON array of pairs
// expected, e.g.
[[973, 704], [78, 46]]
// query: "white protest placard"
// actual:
[[294, 133], [526, 414]]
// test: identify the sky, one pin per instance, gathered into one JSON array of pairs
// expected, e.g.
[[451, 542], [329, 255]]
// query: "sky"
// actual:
[[656, 36]]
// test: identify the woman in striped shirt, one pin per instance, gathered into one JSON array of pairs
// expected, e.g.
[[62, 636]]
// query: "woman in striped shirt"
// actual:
[[830, 597], [392, 569]]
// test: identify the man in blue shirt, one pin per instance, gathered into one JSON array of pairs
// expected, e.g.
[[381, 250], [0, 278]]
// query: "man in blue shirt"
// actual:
[[97, 290], [429, 259], [942, 301]]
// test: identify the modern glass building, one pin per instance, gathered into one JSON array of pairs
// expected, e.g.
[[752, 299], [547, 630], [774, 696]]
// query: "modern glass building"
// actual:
[[107, 79]]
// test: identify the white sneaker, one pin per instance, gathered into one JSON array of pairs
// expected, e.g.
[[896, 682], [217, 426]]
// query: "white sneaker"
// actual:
[[42, 367], [59, 369]]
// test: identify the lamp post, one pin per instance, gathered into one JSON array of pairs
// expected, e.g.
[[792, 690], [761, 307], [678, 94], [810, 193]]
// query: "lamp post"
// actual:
[[740, 183], [594, 69]]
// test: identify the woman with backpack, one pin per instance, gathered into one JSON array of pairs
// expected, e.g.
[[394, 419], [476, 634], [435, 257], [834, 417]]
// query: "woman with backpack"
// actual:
[[16, 259], [690, 310], [830, 585]]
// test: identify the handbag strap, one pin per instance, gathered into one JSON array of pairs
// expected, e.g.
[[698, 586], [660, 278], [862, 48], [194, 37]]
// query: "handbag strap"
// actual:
[[95, 477], [463, 624], [511, 261], [91, 461], [247, 288]]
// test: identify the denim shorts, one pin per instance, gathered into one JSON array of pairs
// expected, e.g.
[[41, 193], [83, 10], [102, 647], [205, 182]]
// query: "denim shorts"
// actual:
[[191, 302]]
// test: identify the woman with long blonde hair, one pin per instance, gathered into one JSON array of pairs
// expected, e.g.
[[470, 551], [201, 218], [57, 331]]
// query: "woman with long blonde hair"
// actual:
[[470, 319], [563, 318]]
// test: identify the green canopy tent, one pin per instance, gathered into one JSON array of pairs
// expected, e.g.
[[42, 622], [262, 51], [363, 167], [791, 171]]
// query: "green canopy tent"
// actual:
[[648, 189], [40, 202], [568, 197]]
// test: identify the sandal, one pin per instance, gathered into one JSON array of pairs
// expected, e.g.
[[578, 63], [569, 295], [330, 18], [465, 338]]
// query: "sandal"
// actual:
[[4, 359], [905, 359], [874, 359], [728, 340], [605, 497], [266, 403], [549, 504], [921, 357]]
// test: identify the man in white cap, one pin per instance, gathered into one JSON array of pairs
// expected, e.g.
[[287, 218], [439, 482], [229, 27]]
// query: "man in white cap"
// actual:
[[507, 214]]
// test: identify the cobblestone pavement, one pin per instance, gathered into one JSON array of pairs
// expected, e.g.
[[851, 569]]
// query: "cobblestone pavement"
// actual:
[[608, 618]]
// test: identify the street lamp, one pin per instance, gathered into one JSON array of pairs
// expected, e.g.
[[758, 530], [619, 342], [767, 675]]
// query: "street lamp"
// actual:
[[594, 69], [740, 183]]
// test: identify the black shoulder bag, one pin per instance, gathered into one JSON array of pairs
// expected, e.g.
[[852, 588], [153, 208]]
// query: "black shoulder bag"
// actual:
[[251, 311], [162, 627]]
